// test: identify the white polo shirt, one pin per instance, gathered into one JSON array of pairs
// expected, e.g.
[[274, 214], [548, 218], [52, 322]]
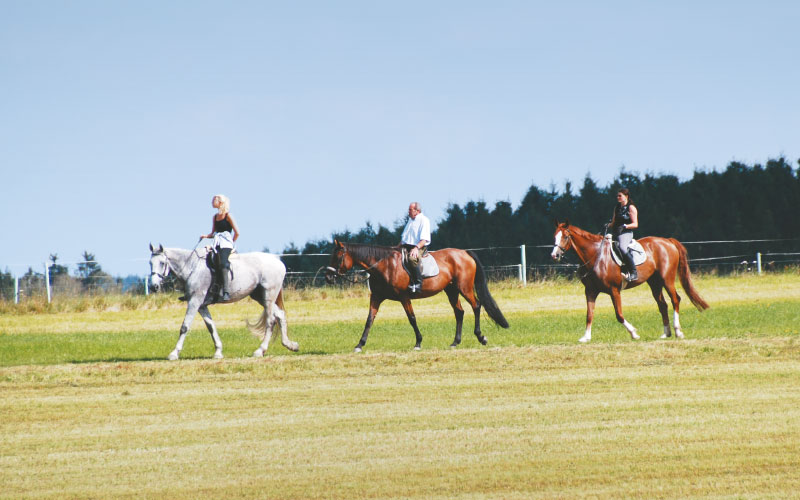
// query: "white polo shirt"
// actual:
[[417, 229]]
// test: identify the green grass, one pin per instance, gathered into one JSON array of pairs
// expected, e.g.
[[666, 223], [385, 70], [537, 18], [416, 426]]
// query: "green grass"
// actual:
[[774, 318]]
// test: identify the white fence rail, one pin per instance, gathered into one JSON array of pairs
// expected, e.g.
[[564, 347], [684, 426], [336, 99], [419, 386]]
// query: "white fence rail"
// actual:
[[44, 285]]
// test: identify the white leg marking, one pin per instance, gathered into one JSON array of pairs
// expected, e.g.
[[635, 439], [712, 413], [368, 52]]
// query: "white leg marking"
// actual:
[[678, 331], [631, 329], [586, 336]]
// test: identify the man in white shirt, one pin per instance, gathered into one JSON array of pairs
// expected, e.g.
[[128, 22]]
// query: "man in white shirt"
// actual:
[[416, 238]]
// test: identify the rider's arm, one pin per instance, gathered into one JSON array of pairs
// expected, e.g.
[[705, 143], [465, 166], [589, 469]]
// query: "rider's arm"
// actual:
[[234, 226], [634, 218]]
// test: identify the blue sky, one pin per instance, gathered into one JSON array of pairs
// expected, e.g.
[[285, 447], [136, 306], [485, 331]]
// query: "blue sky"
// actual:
[[119, 120]]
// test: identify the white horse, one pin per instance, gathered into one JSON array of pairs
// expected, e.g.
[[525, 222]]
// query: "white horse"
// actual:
[[255, 274]]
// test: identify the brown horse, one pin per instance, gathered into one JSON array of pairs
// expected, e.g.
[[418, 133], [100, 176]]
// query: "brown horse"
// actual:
[[460, 273], [666, 257]]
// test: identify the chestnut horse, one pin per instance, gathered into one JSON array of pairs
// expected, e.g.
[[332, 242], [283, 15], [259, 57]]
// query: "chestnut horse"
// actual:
[[666, 257], [460, 273]]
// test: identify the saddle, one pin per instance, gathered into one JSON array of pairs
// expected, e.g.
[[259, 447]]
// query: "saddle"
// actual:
[[427, 265], [212, 263], [639, 256]]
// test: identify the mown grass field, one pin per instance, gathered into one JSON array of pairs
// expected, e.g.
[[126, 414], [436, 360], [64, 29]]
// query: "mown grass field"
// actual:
[[91, 408]]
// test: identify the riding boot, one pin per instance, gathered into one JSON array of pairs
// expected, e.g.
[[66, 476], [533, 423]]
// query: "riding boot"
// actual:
[[633, 275], [415, 281], [226, 285]]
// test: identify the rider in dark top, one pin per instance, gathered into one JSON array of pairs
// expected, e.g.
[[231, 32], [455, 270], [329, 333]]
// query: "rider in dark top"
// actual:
[[224, 232], [623, 222]]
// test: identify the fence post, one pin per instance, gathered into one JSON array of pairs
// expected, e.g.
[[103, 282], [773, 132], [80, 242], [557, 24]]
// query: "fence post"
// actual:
[[758, 260], [47, 281], [523, 271], [146, 286], [16, 289]]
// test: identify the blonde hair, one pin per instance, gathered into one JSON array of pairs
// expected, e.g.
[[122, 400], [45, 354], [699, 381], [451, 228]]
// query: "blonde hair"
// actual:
[[224, 204]]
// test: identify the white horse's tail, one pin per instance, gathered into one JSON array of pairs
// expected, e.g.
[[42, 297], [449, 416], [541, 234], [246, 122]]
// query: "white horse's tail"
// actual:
[[259, 328]]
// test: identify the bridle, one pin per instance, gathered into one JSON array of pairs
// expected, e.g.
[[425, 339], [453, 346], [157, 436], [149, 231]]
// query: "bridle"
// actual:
[[566, 240], [163, 275], [339, 274]]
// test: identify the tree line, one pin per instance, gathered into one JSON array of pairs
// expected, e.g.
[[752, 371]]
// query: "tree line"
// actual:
[[741, 202]]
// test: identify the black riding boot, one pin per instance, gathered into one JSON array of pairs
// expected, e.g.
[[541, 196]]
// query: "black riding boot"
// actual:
[[416, 279], [633, 275], [226, 285]]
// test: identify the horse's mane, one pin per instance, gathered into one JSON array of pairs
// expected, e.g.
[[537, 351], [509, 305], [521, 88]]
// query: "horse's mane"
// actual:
[[585, 234], [364, 252]]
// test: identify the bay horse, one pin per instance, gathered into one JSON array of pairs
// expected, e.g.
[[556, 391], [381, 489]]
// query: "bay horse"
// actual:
[[666, 257], [256, 275], [460, 273]]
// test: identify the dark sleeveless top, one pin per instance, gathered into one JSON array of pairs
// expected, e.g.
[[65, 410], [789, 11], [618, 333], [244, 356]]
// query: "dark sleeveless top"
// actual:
[[222, 225], [622, 215]]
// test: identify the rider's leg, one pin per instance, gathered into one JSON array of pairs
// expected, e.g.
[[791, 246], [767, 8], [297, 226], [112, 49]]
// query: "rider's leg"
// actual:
[[225, 269], [625, 240]]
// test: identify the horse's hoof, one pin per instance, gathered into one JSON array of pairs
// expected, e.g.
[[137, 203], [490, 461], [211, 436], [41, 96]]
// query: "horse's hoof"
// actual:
[[173, 356], [453, 345], [218, 355], [483, 340], [417, 348], [584, 340], [294, 347], [258, 353], [357, 349], [634, 336], [679, 334]]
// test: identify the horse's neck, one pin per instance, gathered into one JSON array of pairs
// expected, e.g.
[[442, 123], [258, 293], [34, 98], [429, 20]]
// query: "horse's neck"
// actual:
[[586, 245], [180, 261]]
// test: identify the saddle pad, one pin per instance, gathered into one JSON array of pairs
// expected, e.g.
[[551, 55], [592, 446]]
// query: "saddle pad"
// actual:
[[428, 266], [638, 253]]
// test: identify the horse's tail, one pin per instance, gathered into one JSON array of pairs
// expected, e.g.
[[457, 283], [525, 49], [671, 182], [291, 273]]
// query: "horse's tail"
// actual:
[[259, 328], [686, 276], [484, 296]]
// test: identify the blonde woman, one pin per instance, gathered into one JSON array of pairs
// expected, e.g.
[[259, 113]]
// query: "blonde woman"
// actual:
[[225, 232]]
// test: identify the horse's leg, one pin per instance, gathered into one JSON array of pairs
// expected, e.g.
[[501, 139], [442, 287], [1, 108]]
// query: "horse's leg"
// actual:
[[616, 299], [469, 295], [676, 305], [656, 286], [452, 295], [412, 318], [269, 321], [191, 310], [280, 316], [374, 304], [212, 329], [591, 298]]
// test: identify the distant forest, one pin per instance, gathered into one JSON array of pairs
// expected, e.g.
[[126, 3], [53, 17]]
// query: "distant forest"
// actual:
[[741, 202]]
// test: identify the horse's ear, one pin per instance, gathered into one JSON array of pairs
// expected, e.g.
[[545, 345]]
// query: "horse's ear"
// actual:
[[335, 242], [566, 223], [160, 248], [555, 221], [151, 248]]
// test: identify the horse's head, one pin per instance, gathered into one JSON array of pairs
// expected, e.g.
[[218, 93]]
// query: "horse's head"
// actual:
[[563, 240], [159, 266], [340, 263]]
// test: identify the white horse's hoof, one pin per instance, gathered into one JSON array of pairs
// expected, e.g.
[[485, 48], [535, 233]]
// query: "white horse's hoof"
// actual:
[[417, 348], [679, 334], [665, 336], [218, 355], [173, 356], [634, 336], [584, 339], [357, 349], [258, 353], [292, 346]]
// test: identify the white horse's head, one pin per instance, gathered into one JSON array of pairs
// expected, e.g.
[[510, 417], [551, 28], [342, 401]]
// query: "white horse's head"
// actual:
[[159, 266]]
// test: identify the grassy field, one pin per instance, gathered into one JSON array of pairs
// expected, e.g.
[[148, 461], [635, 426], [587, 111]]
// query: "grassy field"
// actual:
[[91, 409]]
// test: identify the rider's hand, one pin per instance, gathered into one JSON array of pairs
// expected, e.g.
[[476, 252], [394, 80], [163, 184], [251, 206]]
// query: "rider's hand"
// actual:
[[202, 237], [414, 253]]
